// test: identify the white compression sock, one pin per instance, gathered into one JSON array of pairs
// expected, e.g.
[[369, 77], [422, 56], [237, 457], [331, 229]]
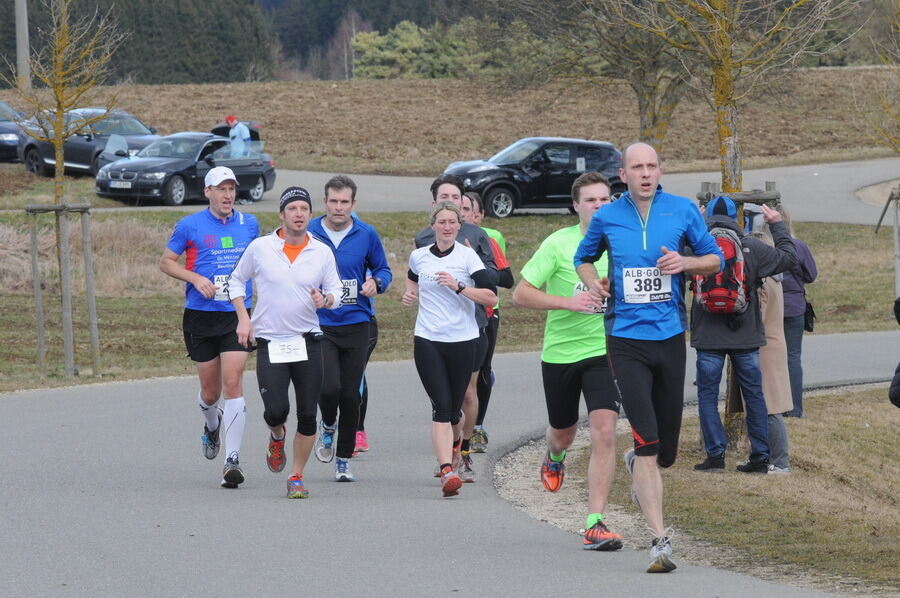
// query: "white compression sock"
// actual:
[[235, 417], [210, 413]]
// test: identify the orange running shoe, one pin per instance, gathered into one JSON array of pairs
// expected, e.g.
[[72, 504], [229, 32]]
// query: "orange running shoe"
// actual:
[[552, 473], [450, 483], [275, 458], [600, 538]]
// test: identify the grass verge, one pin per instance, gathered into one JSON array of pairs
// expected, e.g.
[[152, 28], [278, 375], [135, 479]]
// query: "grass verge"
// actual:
[[140, 309], [836, 513]]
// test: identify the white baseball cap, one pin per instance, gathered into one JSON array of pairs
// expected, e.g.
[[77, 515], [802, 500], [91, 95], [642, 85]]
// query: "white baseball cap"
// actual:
[[218, 175]]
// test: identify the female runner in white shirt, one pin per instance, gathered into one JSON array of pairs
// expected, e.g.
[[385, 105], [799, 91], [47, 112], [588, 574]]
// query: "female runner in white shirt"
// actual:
[[447, 278]]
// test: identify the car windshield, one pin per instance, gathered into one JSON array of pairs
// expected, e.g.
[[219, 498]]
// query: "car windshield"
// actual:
[[171, 148], [7, 113], [515, 153], [120, 124]]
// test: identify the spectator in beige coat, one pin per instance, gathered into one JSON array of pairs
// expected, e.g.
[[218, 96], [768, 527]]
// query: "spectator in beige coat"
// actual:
[[773, 364]]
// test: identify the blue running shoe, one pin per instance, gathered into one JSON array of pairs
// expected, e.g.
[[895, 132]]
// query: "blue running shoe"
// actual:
[[325, 443]]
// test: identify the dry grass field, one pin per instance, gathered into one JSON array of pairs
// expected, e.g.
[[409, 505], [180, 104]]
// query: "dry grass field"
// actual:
[[417, 127]]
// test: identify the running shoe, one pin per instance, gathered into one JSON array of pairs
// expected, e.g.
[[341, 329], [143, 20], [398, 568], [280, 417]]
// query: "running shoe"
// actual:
[[295, 487], [342, 471], [210, 440], [479, 440], [466, 470], [661, 553], [325, 443], [552, 473], [629, 467], [450, 483], [362, 442], [455, 463], [598, 537], [232, 474], [275, 458]]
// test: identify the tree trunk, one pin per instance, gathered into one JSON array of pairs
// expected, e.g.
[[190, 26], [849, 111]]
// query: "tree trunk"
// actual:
[[655, 111]]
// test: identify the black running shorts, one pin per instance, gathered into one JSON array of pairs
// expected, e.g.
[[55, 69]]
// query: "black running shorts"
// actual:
[[564, 384], [649, 376], [207, 334]]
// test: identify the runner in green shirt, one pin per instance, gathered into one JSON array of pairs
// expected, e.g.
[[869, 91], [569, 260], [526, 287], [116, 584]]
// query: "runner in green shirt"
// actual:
[[573, 359]]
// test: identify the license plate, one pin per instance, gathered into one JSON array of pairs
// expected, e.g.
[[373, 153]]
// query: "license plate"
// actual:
[[120, 184]]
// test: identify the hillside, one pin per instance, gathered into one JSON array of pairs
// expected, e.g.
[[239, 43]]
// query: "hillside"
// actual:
[[418, 126]]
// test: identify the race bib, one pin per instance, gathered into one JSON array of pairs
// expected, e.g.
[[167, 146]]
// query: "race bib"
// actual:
[[221, 282], [580, 287], [350, 292], [287, 350], [646, 285]]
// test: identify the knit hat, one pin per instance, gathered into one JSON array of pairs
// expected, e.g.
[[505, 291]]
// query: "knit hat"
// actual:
[[294, 194]]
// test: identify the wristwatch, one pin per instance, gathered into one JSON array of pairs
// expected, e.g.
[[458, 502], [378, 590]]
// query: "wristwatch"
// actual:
[[460, 287]]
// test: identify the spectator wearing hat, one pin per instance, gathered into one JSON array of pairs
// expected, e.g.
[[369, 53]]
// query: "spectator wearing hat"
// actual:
[[738, 335], [295, 275], [212, 241], [239, 136]]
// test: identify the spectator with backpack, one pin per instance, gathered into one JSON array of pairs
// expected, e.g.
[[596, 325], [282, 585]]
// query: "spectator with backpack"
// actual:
[[726, 320]]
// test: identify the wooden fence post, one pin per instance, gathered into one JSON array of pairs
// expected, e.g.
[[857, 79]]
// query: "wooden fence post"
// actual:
[[89, 288], [38, 300]]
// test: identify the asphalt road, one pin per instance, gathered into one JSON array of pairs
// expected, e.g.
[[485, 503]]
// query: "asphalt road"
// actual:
[[106, 494], [812, 193]]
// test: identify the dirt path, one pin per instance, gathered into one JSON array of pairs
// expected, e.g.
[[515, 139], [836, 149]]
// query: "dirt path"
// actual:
[[516, 480]]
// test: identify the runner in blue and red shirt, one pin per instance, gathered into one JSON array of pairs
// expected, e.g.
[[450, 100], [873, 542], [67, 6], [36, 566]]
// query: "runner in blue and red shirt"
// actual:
[[212, 241]]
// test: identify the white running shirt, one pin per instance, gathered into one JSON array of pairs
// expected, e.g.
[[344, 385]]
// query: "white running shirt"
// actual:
[[283, 305], [443, 315]]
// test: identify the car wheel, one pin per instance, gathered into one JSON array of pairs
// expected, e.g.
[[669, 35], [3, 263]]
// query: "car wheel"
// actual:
[[34, 163], [499, 202], [175, 191], [256, 192]]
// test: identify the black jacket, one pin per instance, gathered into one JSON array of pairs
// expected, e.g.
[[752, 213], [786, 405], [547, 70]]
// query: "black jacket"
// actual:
[[716, 332]]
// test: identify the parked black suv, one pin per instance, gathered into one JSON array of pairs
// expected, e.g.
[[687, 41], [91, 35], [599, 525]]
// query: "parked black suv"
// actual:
[[537, 172]]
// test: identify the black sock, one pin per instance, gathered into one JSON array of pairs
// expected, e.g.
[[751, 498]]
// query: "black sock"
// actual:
[[465, 445]]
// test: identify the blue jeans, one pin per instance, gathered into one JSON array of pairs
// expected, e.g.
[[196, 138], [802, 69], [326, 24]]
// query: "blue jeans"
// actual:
[[709, 374], [793, 338]]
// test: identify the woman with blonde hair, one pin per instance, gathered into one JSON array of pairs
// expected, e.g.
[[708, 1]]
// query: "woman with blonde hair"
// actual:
[[447, 279], [774, 366]]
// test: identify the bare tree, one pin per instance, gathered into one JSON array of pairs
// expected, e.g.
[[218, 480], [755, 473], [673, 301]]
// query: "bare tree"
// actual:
[[729, 48], [881, 106], [591, 43], [73, 60]]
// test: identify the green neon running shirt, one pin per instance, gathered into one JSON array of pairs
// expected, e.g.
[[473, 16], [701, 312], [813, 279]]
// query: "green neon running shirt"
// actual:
[[568, 336]]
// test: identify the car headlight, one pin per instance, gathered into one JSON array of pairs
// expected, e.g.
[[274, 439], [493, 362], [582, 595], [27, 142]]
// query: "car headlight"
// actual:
[[10, 137], [153, 176], [103, 173]]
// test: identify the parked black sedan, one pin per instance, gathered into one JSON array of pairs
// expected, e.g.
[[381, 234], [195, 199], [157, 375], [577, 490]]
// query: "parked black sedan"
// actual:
[[9, 132], [81, 152], [537, 172], [172, 170]]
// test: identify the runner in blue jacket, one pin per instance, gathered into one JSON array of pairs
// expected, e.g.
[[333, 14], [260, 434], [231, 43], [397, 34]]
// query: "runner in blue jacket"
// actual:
[[645, 232], [364, 272]]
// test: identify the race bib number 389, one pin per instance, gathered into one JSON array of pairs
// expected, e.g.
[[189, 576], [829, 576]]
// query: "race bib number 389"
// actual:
[[646, 285]]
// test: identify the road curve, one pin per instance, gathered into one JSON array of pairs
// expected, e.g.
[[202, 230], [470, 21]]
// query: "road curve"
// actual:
[[106, 494]]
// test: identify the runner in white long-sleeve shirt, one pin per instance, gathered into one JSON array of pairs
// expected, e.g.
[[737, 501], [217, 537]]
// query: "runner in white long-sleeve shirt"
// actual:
[[294, 274]]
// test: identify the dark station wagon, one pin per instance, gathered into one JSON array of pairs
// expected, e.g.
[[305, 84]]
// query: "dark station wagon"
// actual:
[[537, 172], [173, 168]]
